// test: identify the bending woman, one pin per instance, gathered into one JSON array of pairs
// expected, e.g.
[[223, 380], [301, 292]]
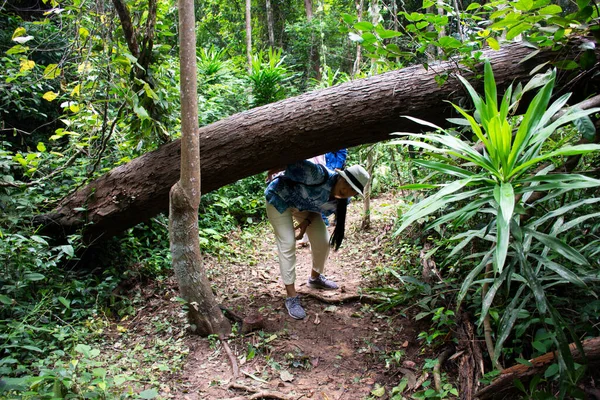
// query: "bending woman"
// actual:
[[303, 192]]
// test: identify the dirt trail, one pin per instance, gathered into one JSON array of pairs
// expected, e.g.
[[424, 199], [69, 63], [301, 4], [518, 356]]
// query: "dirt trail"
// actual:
[[338, 352]]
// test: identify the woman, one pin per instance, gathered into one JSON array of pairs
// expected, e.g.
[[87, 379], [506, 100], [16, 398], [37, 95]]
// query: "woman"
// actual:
[[303, 192]]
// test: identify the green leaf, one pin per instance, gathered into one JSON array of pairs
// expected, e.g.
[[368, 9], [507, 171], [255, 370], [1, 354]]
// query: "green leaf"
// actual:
[[349, 19], [68, 250], [378, 392], [566, 64], [551, 371], [473, 6], [148, 394], [550, 10], [517, 30], [364, 26], [562, 271], [34, 276], [559, 246], [17, 49], [493, 43], [52, 71], [41, 147], [448, 42], [5, 300], [539, 346], [20, 31], [523, 5], [65, 302], [141, 112], [586, 127], [524, 362]]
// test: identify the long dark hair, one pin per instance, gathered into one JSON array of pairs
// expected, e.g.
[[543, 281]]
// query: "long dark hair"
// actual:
[[340, 226]]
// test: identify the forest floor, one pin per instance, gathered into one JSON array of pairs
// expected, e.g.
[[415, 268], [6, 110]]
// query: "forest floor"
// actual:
[[344, 349]]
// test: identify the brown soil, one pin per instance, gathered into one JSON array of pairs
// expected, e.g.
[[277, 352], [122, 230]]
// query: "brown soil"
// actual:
[[338, 352]]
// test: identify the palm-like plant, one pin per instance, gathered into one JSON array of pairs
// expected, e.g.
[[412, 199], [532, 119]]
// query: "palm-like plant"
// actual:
[[267, 77], [496, 184]]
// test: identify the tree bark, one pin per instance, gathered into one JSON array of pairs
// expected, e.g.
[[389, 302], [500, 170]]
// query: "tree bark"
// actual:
[[366, 217], [204, 314], [270, 23], [249, 34], [314, 57], [504, 382], [245, 144]]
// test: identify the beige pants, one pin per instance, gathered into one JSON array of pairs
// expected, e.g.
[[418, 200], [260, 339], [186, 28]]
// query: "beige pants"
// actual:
[[283, 227]]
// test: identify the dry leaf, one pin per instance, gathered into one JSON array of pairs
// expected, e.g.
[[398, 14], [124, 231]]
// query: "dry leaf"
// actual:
[[286, 376]]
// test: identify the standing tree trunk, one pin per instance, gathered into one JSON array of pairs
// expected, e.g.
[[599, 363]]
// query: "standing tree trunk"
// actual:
[[314, 57], [375, 17], [249, 34], [270, 23], [204, 313], [366, 219], [358, 59]]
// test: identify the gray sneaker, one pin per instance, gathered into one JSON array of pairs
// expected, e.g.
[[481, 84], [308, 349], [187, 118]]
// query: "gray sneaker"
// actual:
[[294, 308], [322, 283]]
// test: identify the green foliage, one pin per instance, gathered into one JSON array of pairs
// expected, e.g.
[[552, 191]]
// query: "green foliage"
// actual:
[[532, 257], [268, 77], [447, 32]]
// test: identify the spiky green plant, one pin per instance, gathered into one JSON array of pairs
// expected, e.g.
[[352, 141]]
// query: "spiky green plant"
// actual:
[[528, 258], [268, 76]]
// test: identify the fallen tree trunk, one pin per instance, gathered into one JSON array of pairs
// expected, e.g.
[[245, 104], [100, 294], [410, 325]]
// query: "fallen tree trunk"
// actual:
[[504, 382], [354, 113]]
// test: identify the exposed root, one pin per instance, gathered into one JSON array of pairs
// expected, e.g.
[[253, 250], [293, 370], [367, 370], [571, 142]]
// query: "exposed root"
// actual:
[[437, 378], [232, 360], [363, 298], [258, 394]]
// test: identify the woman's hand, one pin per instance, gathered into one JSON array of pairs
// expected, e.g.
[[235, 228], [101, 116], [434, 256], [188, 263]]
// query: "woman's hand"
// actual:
[[272, 172], [302, 226]]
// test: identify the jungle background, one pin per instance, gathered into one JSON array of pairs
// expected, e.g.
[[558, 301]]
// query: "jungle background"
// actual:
[[462, 261]]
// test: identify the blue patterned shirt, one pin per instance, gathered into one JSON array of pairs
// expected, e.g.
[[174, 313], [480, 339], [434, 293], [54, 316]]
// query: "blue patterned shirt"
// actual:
[[305, 186]]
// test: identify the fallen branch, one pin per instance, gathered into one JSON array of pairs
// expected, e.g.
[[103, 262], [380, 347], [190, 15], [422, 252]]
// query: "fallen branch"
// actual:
[[232, 360], [437, 378], [504, 382], [258, 394]]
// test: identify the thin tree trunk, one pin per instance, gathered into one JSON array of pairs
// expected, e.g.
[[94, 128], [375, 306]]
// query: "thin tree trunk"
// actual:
[[357, 112], [358, 59], [315, 60], [366, 219], [270, 24], [249, 34], [375, 16], [204, 313], [395, 22]]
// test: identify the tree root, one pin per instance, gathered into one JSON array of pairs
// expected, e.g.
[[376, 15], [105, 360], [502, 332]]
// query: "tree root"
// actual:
[[258, 394], [437, 378], [470, 357], [232, 360], [363, 298]]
